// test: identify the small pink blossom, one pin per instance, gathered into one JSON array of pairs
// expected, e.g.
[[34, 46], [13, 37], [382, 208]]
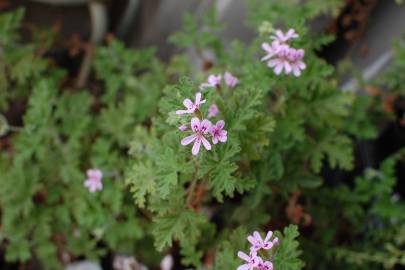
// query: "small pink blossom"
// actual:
[[281, 57], [200, 129], [213, 81], [125, 263], [191, 107], [167, 263], [93, 181], [217, 132], [283, 38], [251, 260], [183, 127], [258, 243], [281, 61], [230, 80], [213, 111]]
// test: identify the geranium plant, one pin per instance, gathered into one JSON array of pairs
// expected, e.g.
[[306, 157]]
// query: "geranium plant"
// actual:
[[174, 166]]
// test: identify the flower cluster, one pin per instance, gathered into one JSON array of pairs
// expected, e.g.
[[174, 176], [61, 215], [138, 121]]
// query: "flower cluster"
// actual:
[[202, 129], [281, 56], [93, 181], [253, 260], [214, 81]]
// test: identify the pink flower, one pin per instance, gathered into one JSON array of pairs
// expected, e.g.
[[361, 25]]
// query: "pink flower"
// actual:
[[167, 263], [191, 107], [281, 60], [93, 182], [183, 128], [213, 81], [295, 57], [283, 38], [281, 56], [199, 129], [258, 243], [230, 80], [124, 263], [217, 132], [251, 260], [213, 111]]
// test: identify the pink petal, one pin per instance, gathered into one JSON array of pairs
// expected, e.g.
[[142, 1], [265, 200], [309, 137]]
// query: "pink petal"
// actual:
[[273, 63], [252, 240], [220, 124], [268, 236], [206, 143], [291, 34], [213, 110], [243, 256], [230, 80], [188, 103], [267, 245], [268, 265], [195, 124], [98, 174], [90, 173], [197, 98], [214, 139], [244, 267], [183, 128], [181, 112], [196, 147], [189, 139], [297, 72], [279, 68], [223, 138], [214, 80], [267, 47], [266, 57], [257, 236], [166, 263], [88, 183], [280, 35], [191, 110], [98, 185], [287, 67], [205, 126]]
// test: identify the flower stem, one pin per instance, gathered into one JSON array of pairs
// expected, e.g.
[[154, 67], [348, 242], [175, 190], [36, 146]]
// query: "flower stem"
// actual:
[[198, 114], [191, 188]]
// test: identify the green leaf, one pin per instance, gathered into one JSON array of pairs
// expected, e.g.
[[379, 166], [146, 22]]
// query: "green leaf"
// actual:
[[226, 257], [141, 180], [221, 170], [288, 253], [336, 148], [9, 24], [181, 224]]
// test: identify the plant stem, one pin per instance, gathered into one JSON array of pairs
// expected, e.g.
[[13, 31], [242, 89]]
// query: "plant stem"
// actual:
[[191, 188]]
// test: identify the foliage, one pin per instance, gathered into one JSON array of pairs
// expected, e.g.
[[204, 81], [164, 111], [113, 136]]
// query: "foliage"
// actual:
[[64, 132]]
